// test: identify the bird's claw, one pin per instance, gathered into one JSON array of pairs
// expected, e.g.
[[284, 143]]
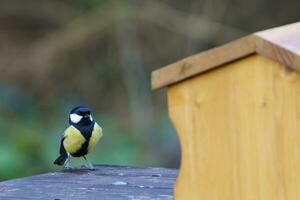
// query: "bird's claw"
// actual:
[[68, 167], [90, 167]]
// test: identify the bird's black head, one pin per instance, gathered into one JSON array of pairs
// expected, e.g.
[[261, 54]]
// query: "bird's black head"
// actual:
[[80, 115]]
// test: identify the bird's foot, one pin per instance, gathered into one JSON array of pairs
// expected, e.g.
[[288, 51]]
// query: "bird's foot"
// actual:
[[88, 164], [67, 166]]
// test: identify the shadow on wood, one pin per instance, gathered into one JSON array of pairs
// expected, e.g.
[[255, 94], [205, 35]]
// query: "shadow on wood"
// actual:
[[106, 182]]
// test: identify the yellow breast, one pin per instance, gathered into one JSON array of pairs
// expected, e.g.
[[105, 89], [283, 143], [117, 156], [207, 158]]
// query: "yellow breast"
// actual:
[[73, 139], [96, 135]]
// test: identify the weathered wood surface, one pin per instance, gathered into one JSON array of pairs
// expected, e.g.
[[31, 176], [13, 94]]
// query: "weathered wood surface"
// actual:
[[105, 183], [282, 44], [239, 128]]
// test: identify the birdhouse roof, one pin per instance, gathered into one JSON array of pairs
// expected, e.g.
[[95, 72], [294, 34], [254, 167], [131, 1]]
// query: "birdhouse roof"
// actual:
[[281, 44]]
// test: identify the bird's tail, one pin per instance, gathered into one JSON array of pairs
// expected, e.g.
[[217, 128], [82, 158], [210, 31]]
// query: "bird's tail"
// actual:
[[61, 159]]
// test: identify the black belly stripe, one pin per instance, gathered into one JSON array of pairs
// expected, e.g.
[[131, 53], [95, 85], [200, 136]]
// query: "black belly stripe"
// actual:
[[82, 151], [86, 131]]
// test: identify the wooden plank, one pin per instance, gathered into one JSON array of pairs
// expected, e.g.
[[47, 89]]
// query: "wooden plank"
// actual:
[[281, 44], [287, 37], [105, 183], [239, 132], [202, 62]]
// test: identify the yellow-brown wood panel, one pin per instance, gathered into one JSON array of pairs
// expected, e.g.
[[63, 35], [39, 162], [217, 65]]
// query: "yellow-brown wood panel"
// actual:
[[239, 129]]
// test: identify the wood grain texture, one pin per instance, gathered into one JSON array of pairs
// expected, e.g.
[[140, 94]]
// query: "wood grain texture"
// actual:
[[281, 44], [239, 131], [202, 62], [105, 183], [287, 37]]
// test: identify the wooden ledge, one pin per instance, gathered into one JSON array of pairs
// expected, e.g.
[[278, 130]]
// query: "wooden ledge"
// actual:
[[105, 183]]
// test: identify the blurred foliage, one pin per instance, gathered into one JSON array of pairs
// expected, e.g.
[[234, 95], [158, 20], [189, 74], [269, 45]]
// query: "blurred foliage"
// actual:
[[61, 53]]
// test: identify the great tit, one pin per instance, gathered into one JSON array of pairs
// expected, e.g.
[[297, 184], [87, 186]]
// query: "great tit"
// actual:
[[79, 138]]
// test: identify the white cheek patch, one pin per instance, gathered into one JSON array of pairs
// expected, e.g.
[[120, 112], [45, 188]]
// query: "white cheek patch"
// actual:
[[91, 118], [75, 118]]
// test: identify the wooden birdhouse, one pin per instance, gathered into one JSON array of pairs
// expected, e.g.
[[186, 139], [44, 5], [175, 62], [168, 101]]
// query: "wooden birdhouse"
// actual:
[[236, 109]]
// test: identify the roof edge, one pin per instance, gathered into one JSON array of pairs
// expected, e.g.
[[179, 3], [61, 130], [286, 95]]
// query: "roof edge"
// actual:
[[202, 62], [281, 44], [277, 52]]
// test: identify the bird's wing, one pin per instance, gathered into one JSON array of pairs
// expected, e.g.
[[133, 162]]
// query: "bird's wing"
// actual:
[[62, 149]]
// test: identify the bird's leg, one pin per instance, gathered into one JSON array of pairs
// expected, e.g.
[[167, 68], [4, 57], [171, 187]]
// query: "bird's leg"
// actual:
[[88, 164], [67, 164]]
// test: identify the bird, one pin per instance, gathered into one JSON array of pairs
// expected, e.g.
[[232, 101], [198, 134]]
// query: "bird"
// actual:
[[79, 138]]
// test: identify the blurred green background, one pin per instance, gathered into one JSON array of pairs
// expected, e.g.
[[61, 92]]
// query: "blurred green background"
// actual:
[[61, 53]]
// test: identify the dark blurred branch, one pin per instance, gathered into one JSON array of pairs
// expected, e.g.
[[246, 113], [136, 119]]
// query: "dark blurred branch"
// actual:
[[80, 30], [55, 12], [135, 76], [40, 55], [199, 27]]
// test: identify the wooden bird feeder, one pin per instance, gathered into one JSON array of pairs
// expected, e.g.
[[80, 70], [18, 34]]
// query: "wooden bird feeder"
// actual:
[[236, 109]]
